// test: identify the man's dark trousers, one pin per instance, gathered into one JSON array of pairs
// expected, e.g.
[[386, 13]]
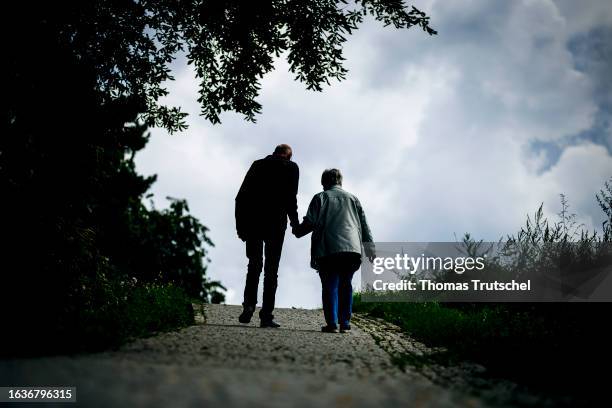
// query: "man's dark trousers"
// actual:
[[271, 246]]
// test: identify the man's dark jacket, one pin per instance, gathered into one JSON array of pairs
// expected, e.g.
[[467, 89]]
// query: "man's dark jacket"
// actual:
[[267, 197]]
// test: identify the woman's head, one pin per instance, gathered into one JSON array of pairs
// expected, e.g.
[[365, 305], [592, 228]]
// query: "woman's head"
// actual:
[[330, 178]]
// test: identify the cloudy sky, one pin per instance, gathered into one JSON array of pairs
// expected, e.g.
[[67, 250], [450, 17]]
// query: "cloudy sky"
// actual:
[[467, 131]]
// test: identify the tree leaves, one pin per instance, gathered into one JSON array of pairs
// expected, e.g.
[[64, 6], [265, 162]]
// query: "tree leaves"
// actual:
[[232, 44]]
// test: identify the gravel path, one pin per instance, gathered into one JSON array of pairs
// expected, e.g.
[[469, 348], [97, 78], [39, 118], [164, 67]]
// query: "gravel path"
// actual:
[[226, 364]]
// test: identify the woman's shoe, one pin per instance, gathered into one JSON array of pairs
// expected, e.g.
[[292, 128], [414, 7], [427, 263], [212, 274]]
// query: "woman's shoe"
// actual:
[[345, 328], [329, 329]]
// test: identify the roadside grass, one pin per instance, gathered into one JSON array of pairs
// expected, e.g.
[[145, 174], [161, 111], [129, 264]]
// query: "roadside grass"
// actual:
[[157, 308], [105, 316], [552, 348], [121, 314]]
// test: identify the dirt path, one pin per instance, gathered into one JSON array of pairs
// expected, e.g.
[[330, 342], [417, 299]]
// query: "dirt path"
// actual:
[[225, 364]]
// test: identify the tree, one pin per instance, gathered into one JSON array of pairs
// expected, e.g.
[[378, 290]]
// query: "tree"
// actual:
[[231, 44], [82, 84]]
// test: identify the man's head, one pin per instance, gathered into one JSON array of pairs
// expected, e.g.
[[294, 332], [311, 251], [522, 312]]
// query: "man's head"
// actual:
[[283, 151], [330, 178]]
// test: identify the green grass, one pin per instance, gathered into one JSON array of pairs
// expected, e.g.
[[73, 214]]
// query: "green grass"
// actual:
[[549, 347], [155, 308], [123, 314], [110, 315], [105, 315]]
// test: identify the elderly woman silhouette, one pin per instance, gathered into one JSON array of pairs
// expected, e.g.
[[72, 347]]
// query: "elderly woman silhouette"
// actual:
[[339, 231]]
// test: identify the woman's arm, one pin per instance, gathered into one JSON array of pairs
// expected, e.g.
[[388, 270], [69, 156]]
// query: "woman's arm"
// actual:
[[310, 220], [366, 234]]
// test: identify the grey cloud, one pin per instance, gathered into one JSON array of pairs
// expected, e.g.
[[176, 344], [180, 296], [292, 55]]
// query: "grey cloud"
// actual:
[[592, 52], [464, 132], [591, 55]]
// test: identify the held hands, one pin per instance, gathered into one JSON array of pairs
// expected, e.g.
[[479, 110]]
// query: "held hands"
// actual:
[[294, 225], [300, 230]]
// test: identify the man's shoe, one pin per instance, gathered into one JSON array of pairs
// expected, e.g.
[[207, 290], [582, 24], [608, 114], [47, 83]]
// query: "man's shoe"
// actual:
[[329, 329], [247, 313], [269, 323], [345, 328]]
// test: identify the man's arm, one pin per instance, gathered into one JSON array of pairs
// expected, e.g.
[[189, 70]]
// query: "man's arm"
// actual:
[[291, 203], [243, 199]]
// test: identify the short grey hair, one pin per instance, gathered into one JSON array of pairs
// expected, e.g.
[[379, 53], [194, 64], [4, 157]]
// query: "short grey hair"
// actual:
[[331, 177]]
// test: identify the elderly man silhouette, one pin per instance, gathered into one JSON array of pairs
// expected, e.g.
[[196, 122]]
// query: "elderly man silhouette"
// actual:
[[266, 198]]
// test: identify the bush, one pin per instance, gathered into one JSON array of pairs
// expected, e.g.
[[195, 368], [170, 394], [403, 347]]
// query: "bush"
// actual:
[[105, 314], [153, 308]]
